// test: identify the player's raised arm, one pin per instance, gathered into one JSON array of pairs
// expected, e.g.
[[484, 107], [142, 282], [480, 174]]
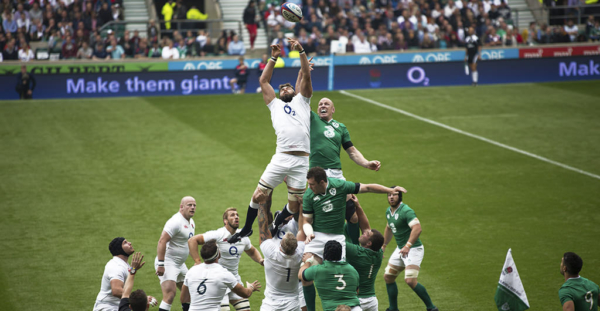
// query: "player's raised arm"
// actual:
[[363, 221], [265, 77], [136, 264], [306, 83], [359, 159], [193, 243], [376, 188], [299, 79]]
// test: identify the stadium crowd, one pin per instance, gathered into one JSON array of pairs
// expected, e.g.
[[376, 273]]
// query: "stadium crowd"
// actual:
[[70, 28]]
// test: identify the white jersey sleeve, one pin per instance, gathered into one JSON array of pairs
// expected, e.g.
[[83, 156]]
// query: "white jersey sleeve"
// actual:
[[213, 235], [115, 269]]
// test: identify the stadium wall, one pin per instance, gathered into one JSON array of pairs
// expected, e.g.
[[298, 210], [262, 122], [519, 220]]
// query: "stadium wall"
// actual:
[[442, 68]]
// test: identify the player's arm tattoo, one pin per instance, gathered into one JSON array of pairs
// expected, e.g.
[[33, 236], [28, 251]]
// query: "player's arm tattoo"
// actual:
[[263, 223]]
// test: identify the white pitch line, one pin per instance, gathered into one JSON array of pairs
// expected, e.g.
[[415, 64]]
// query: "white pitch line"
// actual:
[[529, 154]]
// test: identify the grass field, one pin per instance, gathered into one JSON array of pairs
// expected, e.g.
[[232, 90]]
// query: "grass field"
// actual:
[[76, 173]]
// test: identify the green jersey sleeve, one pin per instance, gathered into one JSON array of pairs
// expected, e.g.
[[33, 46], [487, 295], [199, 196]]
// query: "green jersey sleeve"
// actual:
[[345, 136], [351, 251], [564, 294], [307, 204], [309, 274], [410, 215], [350, 188]]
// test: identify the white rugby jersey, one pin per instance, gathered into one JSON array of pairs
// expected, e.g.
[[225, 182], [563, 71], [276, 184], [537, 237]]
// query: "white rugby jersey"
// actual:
[[230, 253], [115, 269], [281, 270], [291, 226], [291, 122], [208, 284], [180, 231]]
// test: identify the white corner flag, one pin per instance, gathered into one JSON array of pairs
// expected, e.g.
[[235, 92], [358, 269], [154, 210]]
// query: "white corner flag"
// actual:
[[510, 294]]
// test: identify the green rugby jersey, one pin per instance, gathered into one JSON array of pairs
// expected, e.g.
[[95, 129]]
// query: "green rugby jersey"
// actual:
[[329, 209], [336, 282], [326, 138], [366, 262], [583, 293], [398, 222]]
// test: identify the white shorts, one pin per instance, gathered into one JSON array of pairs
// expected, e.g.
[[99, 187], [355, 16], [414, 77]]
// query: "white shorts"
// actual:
[[301, 296], [172, 272], [317, 244], [335, 173], [290, 304], [414, 258], [356, 308], [282, 165], [369, 304], [231, 296]]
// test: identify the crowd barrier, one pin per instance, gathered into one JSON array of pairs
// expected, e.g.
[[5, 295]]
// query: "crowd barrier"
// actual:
[[437, 68]]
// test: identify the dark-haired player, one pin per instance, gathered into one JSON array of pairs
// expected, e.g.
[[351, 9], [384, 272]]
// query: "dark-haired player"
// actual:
[[473, 45], [290, 114], [207, 283], [404, 226], [577, 293], [365, 255], [336, 280], [323, 213], [137, 300]]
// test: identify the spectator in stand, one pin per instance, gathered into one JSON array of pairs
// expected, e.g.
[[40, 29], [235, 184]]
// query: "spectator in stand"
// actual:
[[509, 39], [85, 52], [152, 31], [26, 54], [561, 35], [36, 13], [142, 50], [69, 49], [323, 47], [9, 24], [10, 51], [493, 39], [36, 31], [208, 48], [104, 15], [236, 47], [360, 44], [25, 84], [169, 51], [116, 51], [100, 53], [249, 19], [125, 43], [572, 30], [135, 40], [427, 43], [182, 48], [532, 34], [310, 47], [167, 12], [387, 44], [450, 8], [546, 36], [589, 25], [201, 38], [412, 40], [117, 14], [23, 22], [221, 48]]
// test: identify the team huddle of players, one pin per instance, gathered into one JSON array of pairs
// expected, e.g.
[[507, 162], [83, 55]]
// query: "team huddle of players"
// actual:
[[314, 244]]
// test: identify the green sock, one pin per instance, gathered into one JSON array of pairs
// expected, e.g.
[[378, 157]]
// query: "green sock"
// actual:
[[392, 290], [422, 293], [310, 295]]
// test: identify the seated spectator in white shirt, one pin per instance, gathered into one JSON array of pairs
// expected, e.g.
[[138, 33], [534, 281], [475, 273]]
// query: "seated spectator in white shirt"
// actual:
[[201, 38], [449, 9], [236, 47], [25, 54], [169, 52], [572, 30], [361, 45]]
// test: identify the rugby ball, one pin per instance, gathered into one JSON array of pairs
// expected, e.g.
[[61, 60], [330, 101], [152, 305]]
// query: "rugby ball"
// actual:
[[291, 12]]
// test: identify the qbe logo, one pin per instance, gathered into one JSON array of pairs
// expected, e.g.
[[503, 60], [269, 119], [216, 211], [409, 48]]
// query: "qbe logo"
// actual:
[[217, 65], [417, 75]]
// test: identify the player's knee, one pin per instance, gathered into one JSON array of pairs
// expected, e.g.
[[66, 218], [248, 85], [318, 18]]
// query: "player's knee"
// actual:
[[411, 282], [293, 193], [242, 305], [390, 274], [410, 277]]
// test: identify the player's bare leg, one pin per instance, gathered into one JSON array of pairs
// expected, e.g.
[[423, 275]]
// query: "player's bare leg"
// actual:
[[291, 208], [391, 273], [259, 197], [169, 289]]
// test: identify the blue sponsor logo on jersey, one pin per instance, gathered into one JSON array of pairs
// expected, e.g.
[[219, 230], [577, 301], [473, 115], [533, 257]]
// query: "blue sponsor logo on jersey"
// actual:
[[233, 251]]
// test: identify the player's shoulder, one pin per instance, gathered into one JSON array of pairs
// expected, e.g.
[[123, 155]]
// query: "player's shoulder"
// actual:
[[336, 182], [338, 125]]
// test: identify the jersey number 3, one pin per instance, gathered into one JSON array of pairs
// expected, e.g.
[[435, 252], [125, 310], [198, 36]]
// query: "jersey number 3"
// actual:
[[341, 280]]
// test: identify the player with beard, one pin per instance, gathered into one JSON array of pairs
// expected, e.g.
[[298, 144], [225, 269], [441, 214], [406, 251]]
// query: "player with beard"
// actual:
[[115, 275], [290, 114], [230, 254]]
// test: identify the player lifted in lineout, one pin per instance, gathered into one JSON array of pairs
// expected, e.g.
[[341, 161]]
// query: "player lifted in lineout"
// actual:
[[290, 114]]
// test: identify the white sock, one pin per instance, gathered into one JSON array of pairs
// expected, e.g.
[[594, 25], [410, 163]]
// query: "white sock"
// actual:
[[254, 205], [475, 76], [164, 305]]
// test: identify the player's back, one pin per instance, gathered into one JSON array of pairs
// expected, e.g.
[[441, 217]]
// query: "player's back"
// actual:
[[281, 270], [291, 122], [336, 283], [115, 269], [367, 263], [207, 284], [583, 293]]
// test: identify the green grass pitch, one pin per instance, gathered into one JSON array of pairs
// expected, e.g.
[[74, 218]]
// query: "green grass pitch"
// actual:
[[76, 173]]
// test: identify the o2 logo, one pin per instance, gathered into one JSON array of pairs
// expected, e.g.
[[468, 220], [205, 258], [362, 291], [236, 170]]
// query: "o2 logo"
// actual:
[[289, 110], [233, 251], [191, 235], [280, 234], [417, 75]]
